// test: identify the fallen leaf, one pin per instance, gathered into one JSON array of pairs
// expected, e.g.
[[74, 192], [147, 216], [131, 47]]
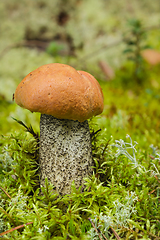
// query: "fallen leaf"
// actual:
[[151, 56]]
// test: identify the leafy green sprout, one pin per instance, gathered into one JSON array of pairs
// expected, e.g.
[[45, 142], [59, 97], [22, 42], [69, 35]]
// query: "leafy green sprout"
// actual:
[[135, 43]]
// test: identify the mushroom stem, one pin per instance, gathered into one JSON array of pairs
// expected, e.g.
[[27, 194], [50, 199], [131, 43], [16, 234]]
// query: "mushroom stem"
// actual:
[[65, 152]]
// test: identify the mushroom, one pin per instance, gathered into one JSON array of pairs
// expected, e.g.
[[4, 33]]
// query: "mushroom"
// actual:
[[66, 98]]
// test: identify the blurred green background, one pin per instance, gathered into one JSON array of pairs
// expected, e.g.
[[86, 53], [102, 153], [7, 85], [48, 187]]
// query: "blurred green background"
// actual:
[[105, 38]]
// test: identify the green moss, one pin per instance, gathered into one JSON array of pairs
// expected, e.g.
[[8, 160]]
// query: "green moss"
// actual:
[[122, 194]]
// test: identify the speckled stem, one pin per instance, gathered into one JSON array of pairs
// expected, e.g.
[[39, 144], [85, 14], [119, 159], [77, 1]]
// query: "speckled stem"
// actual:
[[65, 153]]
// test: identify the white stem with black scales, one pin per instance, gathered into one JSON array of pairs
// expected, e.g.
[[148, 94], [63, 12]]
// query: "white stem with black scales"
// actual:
[[65, 153]]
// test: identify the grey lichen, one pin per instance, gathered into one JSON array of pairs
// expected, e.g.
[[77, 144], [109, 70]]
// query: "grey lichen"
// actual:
[[65, 153]]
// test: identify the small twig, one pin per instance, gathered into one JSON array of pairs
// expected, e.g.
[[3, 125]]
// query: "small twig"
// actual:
[[152, 191], [95, 228], [93, 134], [15, 228], [5, 192], [105, 148], [156, 178], [104, 236], [2, 210], [27, 43], [115, 234], [28, 129]]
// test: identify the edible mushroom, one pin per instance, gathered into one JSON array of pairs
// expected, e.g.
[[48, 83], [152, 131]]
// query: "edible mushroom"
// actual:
[[66, 98]]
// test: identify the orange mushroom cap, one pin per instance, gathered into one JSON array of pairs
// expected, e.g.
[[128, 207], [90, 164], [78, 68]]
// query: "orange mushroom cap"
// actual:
[[61, 91]]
